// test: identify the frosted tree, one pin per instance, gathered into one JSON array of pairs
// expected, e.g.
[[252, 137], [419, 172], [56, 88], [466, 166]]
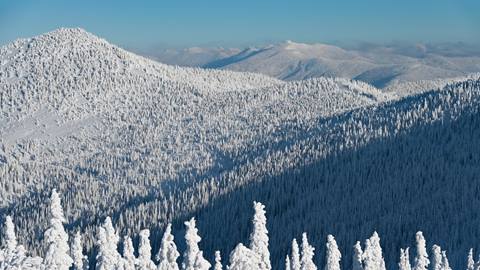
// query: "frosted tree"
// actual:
[[129, 260], [421, 260], [445, 264], [295, 263], [308, 252], [259, 237], [80, 261], [145, 252], [107, 242], [57, 256], [218, 261], [13, 254], [404, 263], [436, 257], [373, 256], [193, 256], [470, 260], [287, 263], [333, 255], [242, 258], [357, 259], [167, 254]]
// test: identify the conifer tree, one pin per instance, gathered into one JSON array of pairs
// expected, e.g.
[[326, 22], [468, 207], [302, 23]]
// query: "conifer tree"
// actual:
[[373, 255], [80, 261], [404, 263], [167, 254], [421, 260], [145, 252], [295, 263], [357, 260], [470, 260], [259, 237], [57, 256], [333, 255], [129, 260], [218, 261], [308, 252], [242, 258], [436, 257], [287, 263], [193, 257]]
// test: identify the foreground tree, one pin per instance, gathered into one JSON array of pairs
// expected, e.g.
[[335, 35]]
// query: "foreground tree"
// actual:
[[295, 264], [107, 242], [333, 255], [218, 261], [373, 255], [57, 256], [129, 260], [193, 257], [404, 263], [259, 237], [243, 258], [308, 252], [168, 254], [421, 260], [80, 261], [357, 260], [145, 252]]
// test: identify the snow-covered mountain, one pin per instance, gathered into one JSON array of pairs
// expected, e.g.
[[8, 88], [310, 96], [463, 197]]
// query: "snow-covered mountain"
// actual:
[[379, 66], [146, 143]]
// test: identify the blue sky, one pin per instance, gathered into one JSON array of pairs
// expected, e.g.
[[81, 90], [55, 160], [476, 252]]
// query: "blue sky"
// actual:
[[144, 24]]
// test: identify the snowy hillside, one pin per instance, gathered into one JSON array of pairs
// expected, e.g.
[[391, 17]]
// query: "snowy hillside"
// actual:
[[150, 144], [380, 66]]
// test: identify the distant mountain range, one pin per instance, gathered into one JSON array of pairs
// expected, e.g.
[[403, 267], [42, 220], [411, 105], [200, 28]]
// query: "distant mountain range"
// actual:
[[380, 66]]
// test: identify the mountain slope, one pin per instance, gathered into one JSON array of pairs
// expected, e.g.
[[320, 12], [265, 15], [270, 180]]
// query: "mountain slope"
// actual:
[[111, 130]]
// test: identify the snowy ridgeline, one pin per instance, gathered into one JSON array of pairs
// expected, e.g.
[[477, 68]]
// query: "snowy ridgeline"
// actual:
[[125, 137], [65, 254]]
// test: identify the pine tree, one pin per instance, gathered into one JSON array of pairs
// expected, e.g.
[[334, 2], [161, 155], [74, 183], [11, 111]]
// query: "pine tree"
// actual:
[[218, 261], [129, 260], [308, 252], [470, 260], [107, 242], [287, 263], [80, 261], [404, 263], [333, 255], [373, 255], [445, 263], [421, 260], [436, 257], [193, 256], [242, 258], [167, 254], [145, 252], [357, 260], [295, 255], [259, 237], [57, 256]]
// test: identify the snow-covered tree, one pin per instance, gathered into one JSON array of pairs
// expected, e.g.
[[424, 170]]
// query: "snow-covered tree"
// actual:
[[404, 263], [167, 254], [145, 252], [357, 259], [421, 260], [288, 265], [57, 256], [129, 260], [373, 255], [80, 261], [295, 262], [470, 260], [445, 263], [333, 255], [308, 252], [107, 242], [243, 258], [218, 261], [259, 237], [193, 257], [436, 257]]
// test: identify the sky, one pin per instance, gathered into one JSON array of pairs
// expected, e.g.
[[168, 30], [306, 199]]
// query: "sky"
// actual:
[[183, 23]]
